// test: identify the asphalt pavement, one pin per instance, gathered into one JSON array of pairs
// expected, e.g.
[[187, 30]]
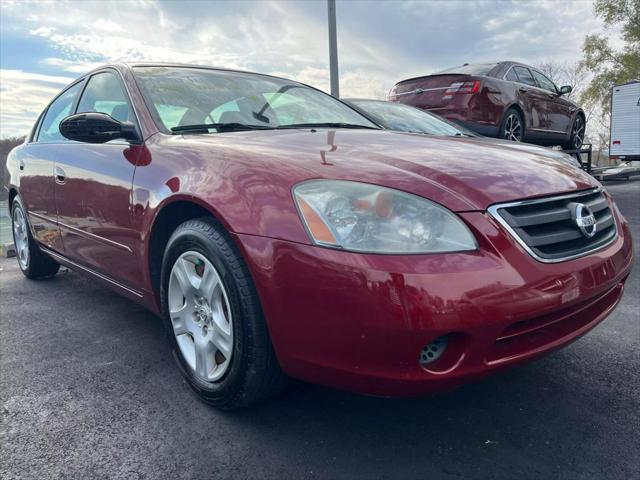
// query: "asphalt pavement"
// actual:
[[88, 391]]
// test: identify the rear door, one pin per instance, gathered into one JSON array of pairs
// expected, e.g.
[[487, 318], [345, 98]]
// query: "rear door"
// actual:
[[559, 110], [533, 98], [93, 189], [36, 167]]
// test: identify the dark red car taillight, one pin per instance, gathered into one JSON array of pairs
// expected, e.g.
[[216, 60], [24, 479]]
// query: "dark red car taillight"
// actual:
[[463, 87]]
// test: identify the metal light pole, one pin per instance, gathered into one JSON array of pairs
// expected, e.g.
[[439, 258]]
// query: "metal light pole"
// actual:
[[333, 49]]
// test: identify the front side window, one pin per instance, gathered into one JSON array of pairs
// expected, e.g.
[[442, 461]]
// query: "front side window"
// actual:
[[544, 82], [204, 97], [524, 76], [104, 94], [58, 110]]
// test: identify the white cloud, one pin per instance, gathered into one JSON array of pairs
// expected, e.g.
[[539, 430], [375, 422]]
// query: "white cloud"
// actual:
[[379, 42], [42, 31], [70, 65], [107, 25], [268, 37], [23, 96]]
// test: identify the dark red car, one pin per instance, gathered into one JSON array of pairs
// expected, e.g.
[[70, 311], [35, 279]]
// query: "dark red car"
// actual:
[[279, 233], [505, 100]]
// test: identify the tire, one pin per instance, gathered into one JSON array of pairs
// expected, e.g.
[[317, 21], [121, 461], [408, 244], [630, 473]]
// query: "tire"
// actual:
[[34, 263], [512, 126], [576, 139], [218, 335]]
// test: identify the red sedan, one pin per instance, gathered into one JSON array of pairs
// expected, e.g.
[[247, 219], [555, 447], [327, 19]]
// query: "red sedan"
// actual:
[[280, 233], [506, 100]]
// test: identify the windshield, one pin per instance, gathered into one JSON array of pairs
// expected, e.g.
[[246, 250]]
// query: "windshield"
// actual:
[[404, 118], [180, 97], [470, 69]]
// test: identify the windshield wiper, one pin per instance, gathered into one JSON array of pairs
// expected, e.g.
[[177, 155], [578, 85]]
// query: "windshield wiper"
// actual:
[[327, 125], [221, 127]]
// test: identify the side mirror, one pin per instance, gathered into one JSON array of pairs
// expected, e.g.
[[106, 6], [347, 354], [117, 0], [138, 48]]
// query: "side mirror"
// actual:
[[94, 127], [565, 90]]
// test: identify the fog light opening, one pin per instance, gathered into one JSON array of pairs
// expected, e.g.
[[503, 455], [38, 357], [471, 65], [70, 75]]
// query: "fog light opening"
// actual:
[[434, 350]]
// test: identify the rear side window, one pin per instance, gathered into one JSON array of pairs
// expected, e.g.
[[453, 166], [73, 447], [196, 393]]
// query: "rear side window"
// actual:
[[544, 82], [104, 94], [524, 76], [58, 110]]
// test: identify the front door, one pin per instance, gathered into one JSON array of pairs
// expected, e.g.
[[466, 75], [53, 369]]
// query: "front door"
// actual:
[[559, 111], [533, 98], [93, 190], [36, 167]]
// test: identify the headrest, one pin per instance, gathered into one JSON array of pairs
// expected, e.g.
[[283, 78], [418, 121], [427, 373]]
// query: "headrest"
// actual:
[[121, 113]]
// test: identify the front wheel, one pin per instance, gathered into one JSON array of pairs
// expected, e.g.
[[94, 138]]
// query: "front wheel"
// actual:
[[33, 262], [576, 138], [213, 318], [512, 127]]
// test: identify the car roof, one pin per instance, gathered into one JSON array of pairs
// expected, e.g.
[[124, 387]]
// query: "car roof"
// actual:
[[138, 64], [501, 63]]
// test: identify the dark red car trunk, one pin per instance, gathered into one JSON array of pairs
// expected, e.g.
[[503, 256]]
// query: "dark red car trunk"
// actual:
[[428, 92]]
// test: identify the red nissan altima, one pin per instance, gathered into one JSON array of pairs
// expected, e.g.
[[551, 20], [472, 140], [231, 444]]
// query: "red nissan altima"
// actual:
[[280, 233]]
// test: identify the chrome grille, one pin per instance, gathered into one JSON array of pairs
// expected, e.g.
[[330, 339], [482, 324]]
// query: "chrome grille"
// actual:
[[547, 227]]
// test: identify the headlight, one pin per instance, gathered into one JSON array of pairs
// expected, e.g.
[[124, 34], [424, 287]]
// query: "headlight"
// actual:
[[367, 218]]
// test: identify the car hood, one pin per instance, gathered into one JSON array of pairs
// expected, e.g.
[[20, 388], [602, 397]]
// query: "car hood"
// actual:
[[461, 173], [527, 147]]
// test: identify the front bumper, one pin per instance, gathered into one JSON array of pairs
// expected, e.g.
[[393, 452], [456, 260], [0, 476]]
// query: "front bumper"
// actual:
[[359, 322]]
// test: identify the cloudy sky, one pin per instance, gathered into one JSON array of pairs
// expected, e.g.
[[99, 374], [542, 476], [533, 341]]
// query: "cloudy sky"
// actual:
[[44, 45]]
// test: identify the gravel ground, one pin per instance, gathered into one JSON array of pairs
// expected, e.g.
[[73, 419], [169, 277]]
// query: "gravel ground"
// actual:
[[88, 390]]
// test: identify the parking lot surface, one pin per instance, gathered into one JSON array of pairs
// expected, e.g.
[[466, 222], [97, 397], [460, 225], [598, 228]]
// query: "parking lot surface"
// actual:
[[88, 390]]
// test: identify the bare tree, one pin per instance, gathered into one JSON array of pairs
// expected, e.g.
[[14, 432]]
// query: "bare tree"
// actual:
[[565, 73], [578, 77]]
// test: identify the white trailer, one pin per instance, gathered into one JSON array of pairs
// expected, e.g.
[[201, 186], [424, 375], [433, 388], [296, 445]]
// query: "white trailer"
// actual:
[[625, 123]]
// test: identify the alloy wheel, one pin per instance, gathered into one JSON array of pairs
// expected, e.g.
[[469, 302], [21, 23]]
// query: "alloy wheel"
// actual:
[[578, 133], [21, 237], [513, 128], [201, 316]]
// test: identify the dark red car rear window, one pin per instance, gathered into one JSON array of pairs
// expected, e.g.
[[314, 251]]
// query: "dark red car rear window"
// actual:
[[471, 69]]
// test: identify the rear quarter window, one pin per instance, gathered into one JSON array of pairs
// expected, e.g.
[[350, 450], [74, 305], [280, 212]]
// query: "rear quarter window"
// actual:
[[524, 76], [511, 76]]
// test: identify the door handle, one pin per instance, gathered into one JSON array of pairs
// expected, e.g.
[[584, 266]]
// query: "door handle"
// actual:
[[21, 164], [523, 90], [61, 177]]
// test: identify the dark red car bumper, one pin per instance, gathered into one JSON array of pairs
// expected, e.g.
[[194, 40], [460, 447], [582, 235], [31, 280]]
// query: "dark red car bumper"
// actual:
[[359, 322]]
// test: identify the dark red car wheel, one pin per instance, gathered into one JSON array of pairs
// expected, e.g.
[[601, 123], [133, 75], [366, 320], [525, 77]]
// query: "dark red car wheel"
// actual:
[[512, 126], [577, 134]]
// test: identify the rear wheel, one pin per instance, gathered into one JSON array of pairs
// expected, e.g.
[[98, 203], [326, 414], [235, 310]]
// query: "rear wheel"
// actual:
[[213, 318], [577, 134], [512, 127], [33, 262]]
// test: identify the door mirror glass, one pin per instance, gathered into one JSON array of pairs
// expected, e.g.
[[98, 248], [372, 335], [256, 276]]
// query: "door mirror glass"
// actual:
[[96, 127], [565, 90]]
